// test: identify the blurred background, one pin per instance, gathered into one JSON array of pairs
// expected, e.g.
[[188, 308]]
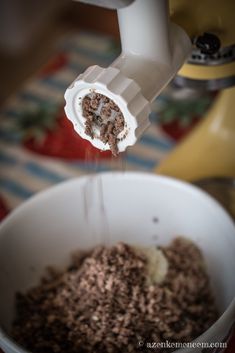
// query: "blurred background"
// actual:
[[43, 47], [30, 29]]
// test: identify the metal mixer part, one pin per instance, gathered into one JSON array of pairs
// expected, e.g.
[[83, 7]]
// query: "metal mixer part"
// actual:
[[210, 85], [223, 56]]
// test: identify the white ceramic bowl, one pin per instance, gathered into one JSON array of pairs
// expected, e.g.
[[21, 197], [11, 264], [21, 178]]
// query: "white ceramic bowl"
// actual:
[[107, 208]]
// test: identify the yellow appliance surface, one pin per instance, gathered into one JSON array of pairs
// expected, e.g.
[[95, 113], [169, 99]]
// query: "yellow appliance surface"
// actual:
[[210, 149]]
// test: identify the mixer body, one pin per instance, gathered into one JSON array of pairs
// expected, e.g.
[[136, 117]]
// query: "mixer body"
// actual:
[[209, 150], [211, 71]]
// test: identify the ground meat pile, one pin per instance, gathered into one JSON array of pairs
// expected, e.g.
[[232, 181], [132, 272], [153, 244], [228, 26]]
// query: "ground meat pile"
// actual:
[[104, 304], [102, 113]]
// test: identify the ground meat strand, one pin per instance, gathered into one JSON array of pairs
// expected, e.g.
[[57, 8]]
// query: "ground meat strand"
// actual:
[[101, 112], [103, 303]]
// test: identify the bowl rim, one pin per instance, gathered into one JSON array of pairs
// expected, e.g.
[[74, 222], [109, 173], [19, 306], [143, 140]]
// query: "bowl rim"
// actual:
[[40, 196]]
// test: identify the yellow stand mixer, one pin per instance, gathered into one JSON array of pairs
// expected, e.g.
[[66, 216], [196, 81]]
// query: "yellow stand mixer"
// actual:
[[209, 151]]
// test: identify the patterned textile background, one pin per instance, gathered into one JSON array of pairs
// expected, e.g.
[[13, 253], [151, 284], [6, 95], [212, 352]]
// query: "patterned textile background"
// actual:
[[33, 128]]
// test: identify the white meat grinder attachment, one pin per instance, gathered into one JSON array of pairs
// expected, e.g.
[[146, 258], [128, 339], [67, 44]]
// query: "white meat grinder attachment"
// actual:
[[153, 50]]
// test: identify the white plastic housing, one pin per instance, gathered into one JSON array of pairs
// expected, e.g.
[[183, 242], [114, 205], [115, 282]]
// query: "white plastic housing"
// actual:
[[153, 50], [122, 90]]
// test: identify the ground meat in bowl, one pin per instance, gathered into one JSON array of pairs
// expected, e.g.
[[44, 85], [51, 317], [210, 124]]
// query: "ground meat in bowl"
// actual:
[[105, 302]]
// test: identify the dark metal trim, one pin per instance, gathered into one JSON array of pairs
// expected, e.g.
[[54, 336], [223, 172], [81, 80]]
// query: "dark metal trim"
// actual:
[[223, 56], [210, 85]]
